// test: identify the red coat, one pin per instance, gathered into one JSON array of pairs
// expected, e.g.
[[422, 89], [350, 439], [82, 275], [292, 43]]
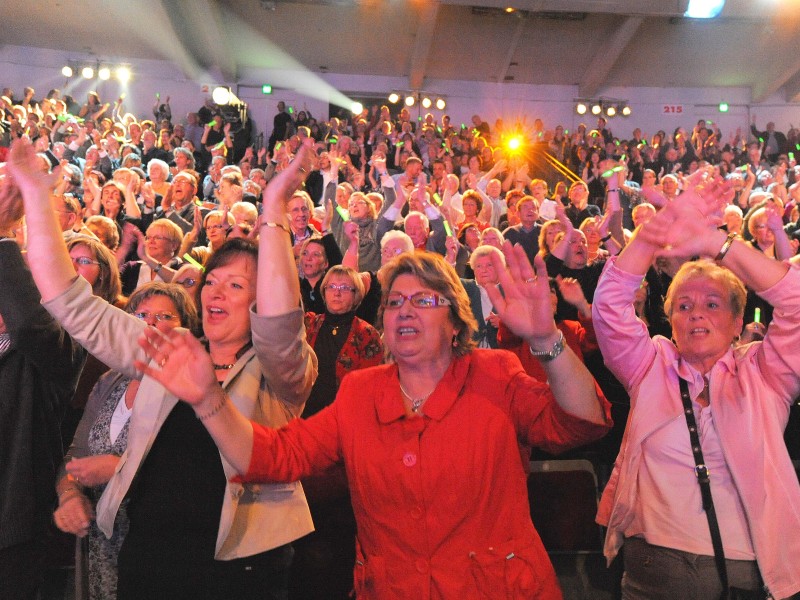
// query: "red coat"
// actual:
[[440, 500], [578, 335], [363, 347]]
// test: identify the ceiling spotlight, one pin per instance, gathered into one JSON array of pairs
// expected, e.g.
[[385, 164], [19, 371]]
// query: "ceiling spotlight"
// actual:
[[426, 102], [596, 109], [87, 72], [123, 74], [394, 97], [440, 104], [410, 100], [611, 111], [221, 95], [67, 71], [626, 111], [581, 108], [104, 73], [357, 108]]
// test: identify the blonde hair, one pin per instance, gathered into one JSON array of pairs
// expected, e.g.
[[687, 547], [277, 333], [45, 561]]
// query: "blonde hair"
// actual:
[[700, 269]]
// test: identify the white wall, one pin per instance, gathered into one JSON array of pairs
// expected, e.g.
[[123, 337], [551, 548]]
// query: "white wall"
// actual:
[[41, 68]]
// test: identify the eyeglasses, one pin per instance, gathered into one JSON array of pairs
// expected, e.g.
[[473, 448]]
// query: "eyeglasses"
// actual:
[[157, 238], [391, 251], [339, 288], [187, 283], [357, 202], [307, 254], [84, 261], [157, 316], [418, 300], [216, 227]]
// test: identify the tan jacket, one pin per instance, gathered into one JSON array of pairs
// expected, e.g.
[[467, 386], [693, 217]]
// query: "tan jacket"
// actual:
[[269, 384]]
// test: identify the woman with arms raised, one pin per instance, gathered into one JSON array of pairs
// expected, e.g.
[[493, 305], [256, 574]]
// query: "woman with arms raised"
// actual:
[[703, 410], [430, 442], [193, 533]]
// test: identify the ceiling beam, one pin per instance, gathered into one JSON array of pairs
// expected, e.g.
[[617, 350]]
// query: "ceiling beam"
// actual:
[[422, 45], [605, 59]]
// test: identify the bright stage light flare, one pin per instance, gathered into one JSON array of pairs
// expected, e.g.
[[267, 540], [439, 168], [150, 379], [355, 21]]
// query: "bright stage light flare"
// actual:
[[514, 143], [357, 108], [87, 72], [67, 71], [104, 73], [124, 74]]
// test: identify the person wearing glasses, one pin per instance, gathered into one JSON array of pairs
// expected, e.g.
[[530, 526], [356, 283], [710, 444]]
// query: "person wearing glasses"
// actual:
[[101, 439], [194, 533], [429, 442], [157, 251], [343, 343]]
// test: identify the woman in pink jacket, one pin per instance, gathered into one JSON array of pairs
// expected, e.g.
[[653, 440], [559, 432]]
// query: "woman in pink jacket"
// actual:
[[739, 396]]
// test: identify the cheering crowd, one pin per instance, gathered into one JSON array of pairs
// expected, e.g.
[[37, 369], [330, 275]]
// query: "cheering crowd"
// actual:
[[321, 364]]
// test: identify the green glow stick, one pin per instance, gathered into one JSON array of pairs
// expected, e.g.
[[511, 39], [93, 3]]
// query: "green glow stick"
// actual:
[[757, 315], [743, 168], [437, 199], [610, 172], [188, 258], [212, 123], [342, 213], [447, 229]]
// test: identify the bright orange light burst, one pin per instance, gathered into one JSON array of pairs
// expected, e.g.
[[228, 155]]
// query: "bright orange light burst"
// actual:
[[514, 143]]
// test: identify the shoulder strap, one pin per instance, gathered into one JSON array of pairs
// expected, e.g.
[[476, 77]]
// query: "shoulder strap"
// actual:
[[702, 474]]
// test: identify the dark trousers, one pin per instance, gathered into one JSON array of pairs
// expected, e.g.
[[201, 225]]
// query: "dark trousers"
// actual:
[[658, 573], [21, 569], [263, 576]]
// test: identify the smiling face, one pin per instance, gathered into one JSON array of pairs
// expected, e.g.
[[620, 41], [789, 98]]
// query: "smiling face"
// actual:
[[417, 336], [703, 321], [226, 297], [215, 230], [298, 214], [111, 199]]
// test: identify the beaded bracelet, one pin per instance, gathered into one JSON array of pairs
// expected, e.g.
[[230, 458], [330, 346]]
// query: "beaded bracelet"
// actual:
[[276, 226], [214, 410]]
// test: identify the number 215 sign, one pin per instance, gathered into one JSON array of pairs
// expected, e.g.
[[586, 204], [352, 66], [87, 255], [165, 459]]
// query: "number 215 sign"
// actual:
[[672, 109]]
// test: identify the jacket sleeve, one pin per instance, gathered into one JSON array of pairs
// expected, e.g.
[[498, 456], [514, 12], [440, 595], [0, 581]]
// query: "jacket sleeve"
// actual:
[[288, 362], [109, 333], [777, 354], [34, 333], [623, 339]]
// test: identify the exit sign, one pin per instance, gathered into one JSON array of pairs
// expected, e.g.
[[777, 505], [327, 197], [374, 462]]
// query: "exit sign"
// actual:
[[266, 89]]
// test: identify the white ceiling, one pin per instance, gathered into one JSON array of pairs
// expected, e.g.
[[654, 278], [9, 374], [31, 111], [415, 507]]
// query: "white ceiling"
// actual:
[[595, 44]]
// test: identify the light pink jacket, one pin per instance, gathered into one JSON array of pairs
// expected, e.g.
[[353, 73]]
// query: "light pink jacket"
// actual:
[[752, 388]]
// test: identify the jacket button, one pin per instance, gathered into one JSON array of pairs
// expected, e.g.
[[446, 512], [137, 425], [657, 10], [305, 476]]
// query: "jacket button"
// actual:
[[409, 459], [416, 513], [421, 565]]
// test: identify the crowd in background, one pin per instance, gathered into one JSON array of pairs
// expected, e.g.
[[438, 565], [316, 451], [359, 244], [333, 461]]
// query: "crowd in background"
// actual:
[[149, 199]]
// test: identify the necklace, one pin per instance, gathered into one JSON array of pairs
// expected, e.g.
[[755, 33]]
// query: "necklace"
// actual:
[[222, 367], [334, 330], [416, 403]]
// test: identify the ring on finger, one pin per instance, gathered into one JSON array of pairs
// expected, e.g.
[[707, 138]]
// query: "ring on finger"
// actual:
[[162, 362], [530, 280]]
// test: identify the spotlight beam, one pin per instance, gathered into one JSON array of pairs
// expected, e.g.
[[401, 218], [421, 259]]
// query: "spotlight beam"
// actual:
[[422, 45], [598, 70]]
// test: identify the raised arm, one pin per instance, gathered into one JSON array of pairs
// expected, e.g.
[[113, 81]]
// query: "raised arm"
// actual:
[[525, 307]]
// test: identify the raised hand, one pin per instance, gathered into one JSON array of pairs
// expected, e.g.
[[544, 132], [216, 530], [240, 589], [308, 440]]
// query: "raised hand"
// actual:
[[572, 293], [525, 305], [179, 363]]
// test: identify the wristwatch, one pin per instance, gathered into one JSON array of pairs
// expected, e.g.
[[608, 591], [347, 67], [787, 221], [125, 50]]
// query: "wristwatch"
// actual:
[[548, 355], [157, 268]]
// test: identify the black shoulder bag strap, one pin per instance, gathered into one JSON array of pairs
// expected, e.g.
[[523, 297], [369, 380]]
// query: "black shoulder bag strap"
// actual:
[[701, 471]]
